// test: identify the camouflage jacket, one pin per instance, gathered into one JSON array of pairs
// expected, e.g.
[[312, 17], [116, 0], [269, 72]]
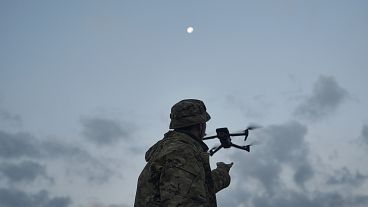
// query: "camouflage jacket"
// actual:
[[178, 173]]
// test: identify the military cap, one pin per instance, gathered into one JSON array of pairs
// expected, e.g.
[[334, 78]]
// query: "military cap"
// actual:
[[188, 112]]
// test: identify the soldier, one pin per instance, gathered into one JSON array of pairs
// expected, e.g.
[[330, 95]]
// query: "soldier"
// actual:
[[178, 171]]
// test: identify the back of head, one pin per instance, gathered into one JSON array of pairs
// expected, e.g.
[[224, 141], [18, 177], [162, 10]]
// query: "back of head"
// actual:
[[188, 112]]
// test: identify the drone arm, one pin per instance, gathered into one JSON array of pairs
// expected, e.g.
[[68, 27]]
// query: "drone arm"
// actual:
[[214, 151], [246, 147], [238, 134], [211, 137]]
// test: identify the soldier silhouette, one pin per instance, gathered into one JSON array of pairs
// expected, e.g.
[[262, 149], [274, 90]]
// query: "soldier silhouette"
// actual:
[[178, 171]]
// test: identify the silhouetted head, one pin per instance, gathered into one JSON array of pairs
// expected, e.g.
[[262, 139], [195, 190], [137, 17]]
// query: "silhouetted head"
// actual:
[[188, 112], [190, 115]]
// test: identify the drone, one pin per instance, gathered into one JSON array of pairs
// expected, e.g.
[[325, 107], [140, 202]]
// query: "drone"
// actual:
[[224, 136]]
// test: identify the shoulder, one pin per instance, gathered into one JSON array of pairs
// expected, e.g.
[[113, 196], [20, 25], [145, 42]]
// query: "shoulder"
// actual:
[[177, 149], [177, 155], [179, 144], [179, 158]]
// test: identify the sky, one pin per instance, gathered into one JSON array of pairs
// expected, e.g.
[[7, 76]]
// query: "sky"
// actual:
[[86, 87]]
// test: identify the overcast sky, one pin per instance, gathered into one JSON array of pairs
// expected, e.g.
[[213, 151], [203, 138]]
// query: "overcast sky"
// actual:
[[87, 86]]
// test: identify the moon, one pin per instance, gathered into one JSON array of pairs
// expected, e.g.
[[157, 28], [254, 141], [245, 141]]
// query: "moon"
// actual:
[[190, 30]]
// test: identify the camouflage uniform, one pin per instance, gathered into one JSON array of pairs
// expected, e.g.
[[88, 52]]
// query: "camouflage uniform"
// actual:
[[178, 172]]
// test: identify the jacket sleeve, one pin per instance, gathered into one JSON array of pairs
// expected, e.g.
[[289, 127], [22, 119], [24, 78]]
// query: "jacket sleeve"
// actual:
[[181, 182], [221, 179]]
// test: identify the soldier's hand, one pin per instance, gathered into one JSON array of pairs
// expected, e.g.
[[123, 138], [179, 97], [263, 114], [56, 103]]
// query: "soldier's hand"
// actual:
[[224, 166]]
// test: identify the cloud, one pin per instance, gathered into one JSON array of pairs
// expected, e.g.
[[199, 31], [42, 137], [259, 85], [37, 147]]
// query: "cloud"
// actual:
[[77, 160], [53, 149], [103, 131], [279, 173], [303, 173], [345, 177], [17, 198], [12, 119], [18, 145], [365, 134], [25, 171], [284, 146], [326, 97]]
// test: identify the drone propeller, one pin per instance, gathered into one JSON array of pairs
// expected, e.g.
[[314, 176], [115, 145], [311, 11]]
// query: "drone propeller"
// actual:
[[250, 127], [253, 126]]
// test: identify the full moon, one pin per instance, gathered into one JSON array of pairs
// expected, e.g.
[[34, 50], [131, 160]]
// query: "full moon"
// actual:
[[190, 30]]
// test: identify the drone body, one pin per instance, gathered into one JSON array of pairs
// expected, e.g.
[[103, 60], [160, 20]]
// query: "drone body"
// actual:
[[224, 136]]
